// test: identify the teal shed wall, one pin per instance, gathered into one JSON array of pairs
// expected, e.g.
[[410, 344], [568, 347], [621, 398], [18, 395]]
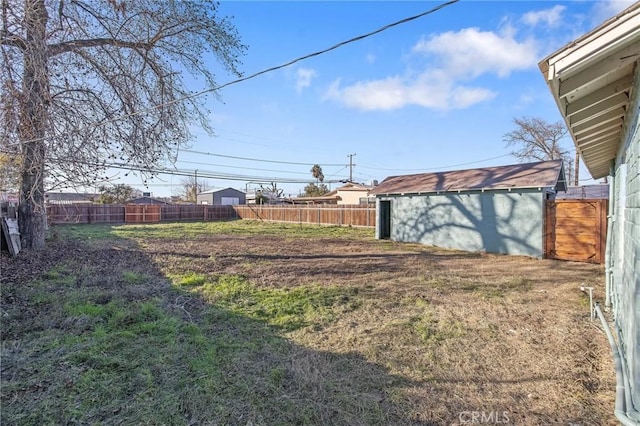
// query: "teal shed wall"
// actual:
[[509, 222]]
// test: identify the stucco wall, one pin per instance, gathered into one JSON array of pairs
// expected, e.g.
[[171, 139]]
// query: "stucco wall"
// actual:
[[351, 197], [626, 244], [496, 222]]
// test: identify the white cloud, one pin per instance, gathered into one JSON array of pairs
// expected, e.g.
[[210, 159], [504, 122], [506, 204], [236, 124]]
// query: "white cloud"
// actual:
[[396, 92], [604, 10], [471, 52], [550, 17], [455, 60], [303, 78]]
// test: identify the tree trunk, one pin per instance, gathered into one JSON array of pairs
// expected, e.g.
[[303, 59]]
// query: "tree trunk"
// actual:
[[33, 120]]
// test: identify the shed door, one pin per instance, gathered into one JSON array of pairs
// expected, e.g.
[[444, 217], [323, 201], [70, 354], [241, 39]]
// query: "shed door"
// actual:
[[229, 201], [384, 222]]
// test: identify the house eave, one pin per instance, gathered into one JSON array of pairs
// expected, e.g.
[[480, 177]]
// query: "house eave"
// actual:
[[591, 80]]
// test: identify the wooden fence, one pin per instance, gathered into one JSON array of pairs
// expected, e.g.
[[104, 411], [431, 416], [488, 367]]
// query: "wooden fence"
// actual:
[[576, 230], [321, 214], [85, 213]]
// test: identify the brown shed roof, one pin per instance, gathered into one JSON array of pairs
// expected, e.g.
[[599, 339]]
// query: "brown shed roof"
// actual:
[[544, 174]]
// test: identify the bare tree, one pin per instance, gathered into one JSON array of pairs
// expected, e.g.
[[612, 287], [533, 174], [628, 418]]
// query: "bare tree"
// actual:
[[190, 188], [88, 85], [536, 139]]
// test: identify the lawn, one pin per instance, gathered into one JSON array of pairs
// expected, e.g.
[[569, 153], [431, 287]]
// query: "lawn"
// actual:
[[270, 324]]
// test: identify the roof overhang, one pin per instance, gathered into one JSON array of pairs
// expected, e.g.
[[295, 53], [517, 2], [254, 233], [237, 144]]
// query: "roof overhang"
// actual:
[[591, 80]]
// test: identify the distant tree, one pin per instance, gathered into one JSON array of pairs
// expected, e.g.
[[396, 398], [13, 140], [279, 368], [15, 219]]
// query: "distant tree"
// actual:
[[116, 194], [9, 172], [86, 84], [190, 188], [268, 194], [534, 139], [272, 188], [315, 190], [316, 172]]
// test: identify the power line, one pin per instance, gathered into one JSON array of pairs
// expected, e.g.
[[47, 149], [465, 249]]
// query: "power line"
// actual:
[[244, 168], [265, 71], [186, 172], [435, 168], [255, 159]]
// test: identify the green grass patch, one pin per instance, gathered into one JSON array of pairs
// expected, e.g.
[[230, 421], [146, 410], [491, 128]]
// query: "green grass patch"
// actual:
[[190, 279], [59, 275], [288, 308]]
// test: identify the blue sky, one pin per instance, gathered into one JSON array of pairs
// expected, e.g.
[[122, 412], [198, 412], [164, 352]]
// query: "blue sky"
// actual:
[[437, 93]]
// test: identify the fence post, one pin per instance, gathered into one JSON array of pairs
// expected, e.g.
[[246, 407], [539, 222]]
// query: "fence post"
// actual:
[[368, 210]]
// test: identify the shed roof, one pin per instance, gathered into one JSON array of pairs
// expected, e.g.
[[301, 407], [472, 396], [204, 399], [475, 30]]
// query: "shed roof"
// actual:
[[218, 189], [147, 200], [591, 80], [69, 197], [543, 174]]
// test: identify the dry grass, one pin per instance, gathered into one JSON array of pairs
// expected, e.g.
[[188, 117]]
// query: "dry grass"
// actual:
[[273, 325]]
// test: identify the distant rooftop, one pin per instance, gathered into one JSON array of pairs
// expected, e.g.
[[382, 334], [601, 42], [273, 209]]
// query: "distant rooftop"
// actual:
[[217, 189], [600, 191]]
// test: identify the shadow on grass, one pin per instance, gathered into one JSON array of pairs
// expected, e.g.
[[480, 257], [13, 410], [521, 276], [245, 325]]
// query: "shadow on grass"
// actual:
[[93, 333]]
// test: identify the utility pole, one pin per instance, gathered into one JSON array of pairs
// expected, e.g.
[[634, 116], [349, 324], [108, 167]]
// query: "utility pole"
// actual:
[[195, 186], [577, 168], [351, 166]]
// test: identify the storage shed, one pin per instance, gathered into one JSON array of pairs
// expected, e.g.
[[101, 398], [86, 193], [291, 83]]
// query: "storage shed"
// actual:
[[221, 197], [494, 209]]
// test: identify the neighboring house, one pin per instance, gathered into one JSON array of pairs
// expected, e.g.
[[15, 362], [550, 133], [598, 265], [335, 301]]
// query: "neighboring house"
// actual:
[[354, 193], [9, 197], [493, 209], [328, 198], [147, 200], [221, 197], [595, 81], [70, 198], [585, 192]]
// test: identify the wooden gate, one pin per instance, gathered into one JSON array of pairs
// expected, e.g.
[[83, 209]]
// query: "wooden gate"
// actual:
[[142, 213], [576, 230]]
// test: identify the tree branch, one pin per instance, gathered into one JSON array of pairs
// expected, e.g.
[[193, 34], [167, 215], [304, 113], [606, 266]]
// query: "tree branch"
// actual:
[[12, 40], [74, 45]]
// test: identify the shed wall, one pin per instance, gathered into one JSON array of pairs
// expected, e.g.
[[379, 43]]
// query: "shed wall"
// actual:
[[215, 198], [492, 221], [625, 244]]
